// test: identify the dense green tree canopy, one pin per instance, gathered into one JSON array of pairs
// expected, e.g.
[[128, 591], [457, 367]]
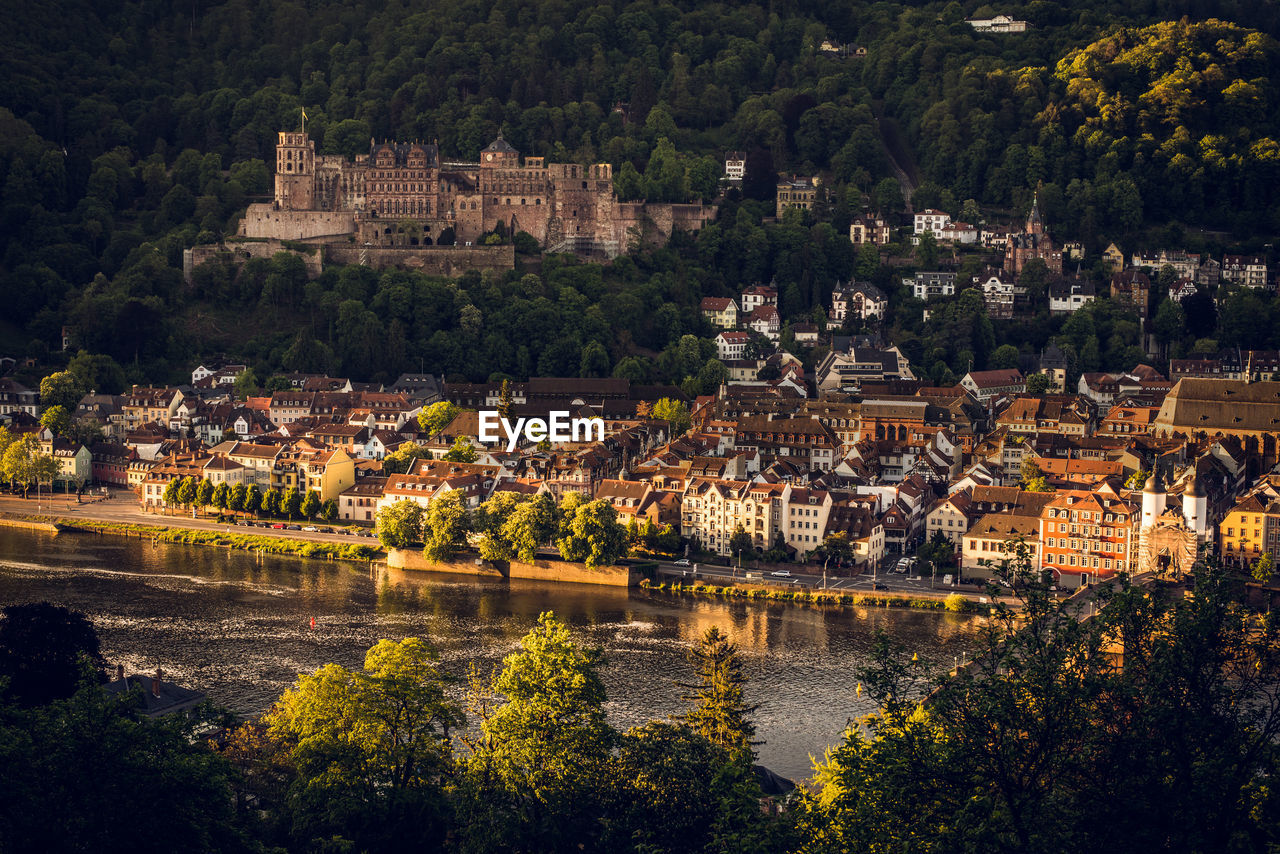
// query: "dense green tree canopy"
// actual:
[[128, 135]]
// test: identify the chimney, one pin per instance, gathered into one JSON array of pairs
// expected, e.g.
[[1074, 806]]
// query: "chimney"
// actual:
[[155, 683]]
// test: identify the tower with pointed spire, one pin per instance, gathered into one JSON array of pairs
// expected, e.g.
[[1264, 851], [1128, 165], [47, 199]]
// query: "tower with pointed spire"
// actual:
[[1035, 225], [1033, 242]]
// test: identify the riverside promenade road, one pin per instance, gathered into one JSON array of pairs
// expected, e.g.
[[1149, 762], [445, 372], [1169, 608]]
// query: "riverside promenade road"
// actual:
[[123, 508]]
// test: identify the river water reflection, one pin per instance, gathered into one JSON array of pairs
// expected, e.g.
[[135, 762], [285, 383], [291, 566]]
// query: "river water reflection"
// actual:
[[238, 626]]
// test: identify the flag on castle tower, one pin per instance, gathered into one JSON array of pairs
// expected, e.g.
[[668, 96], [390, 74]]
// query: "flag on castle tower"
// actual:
[[304, 114]]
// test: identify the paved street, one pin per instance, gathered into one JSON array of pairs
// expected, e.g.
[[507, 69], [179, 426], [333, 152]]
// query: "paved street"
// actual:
[[124, 508]]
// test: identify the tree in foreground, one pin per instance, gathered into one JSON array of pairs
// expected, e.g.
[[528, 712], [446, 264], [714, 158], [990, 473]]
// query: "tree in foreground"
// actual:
[[674, 791], [373, 750], [45, 652], [720, 713], [1150, 727], [1039, 384], [73, 771], [538, 770]]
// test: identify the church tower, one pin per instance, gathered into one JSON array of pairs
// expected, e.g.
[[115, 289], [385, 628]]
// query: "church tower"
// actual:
[[1035, 225], [295, 172]]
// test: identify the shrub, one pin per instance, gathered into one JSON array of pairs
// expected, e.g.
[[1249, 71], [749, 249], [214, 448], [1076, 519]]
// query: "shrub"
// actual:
[[955, 602]]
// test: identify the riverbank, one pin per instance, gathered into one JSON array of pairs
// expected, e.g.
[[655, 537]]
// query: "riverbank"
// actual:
[[46, 527], [194, 536], [953, 602]]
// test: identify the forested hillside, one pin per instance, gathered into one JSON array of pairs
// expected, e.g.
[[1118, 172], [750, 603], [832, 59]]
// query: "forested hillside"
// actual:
[[131, 130]]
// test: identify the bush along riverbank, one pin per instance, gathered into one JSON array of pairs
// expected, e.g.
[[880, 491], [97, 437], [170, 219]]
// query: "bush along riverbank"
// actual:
[[197, 537], [955, 602]]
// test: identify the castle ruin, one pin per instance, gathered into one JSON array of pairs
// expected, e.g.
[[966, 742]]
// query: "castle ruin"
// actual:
[[403, 195]]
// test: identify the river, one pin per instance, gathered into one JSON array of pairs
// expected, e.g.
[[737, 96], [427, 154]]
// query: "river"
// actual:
[[238, 626]]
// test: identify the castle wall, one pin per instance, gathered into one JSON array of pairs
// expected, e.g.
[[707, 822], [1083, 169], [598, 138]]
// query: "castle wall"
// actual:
[[652, 223], [447, 261], [239, 252], [267, 220]]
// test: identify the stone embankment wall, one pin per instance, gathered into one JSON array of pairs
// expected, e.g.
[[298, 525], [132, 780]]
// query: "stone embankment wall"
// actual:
[[46, 527], [541, 570]]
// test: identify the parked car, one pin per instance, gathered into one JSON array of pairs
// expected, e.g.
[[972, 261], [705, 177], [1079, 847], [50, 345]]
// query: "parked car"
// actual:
[[311, 528], [278, 526]]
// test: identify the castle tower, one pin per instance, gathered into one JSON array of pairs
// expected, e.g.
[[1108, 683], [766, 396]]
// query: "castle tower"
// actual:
[[1195, 509], [499, 154], [1152, 501], [295, 172]]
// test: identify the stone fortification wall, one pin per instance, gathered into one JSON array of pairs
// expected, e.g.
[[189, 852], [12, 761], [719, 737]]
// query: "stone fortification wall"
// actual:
[[653, 222], [239, 251], [448, 261], [267, 220]]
